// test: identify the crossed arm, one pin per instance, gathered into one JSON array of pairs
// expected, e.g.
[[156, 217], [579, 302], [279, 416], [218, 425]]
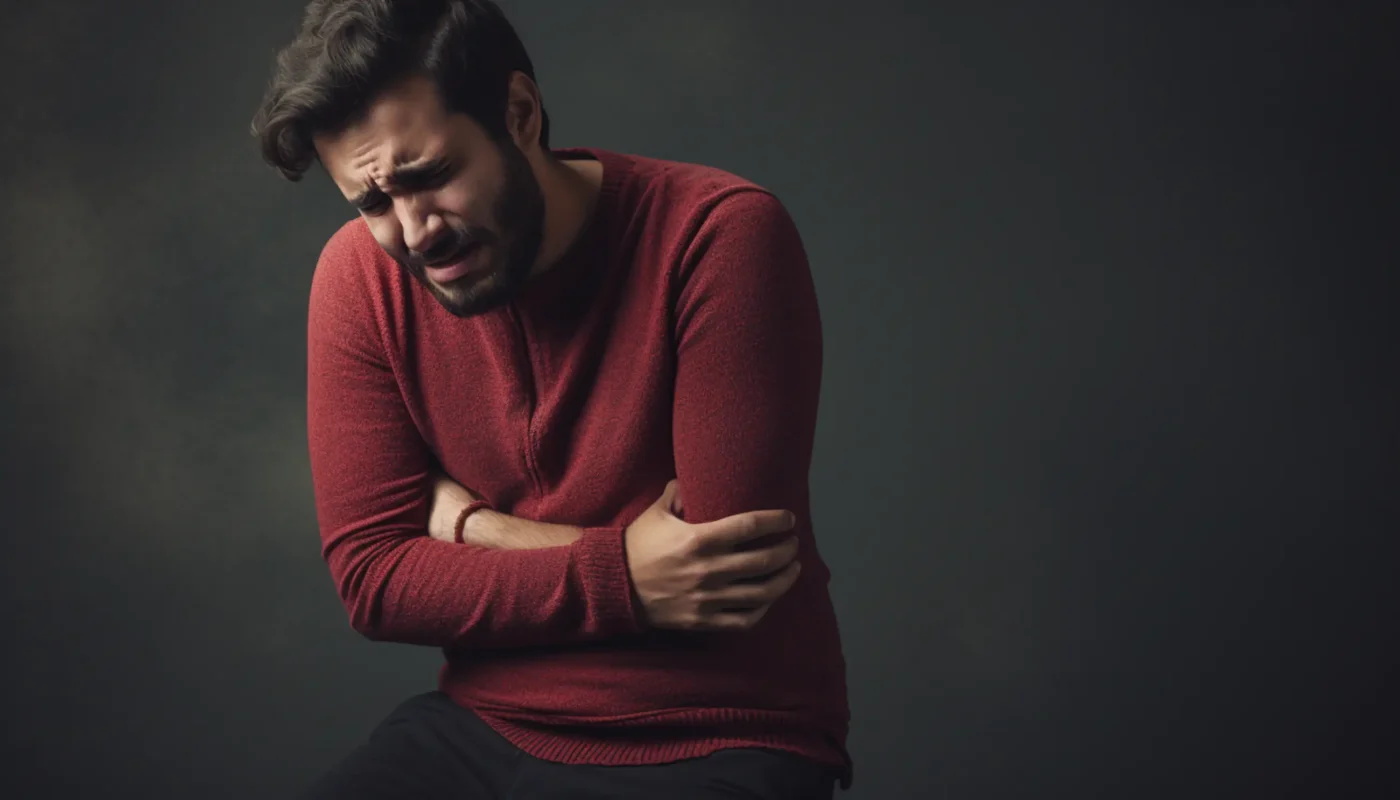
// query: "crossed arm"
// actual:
[[748, 374], [489, 528]]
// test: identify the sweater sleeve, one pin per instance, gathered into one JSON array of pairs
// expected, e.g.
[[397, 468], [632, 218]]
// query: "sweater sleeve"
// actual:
[[749, 363], [370, 468]]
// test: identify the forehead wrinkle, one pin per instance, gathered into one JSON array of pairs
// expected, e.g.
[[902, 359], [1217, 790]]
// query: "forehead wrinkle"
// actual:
[[372, 165], [396, 133], [363, 158]]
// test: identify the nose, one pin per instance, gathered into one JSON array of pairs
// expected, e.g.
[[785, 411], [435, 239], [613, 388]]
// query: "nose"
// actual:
[[421, 228]]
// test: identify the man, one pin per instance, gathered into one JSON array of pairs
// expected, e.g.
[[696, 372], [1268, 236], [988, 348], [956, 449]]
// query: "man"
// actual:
[[560, 406]]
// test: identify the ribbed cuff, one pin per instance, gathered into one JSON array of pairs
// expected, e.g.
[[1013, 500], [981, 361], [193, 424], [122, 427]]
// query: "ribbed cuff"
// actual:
[[607, 583]]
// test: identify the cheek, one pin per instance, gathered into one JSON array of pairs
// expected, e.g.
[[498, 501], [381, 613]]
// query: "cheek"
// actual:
[[455, 203], [386, 231]]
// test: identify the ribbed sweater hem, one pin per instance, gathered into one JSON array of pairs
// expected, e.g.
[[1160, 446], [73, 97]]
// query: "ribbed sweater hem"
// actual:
[[667, 737]]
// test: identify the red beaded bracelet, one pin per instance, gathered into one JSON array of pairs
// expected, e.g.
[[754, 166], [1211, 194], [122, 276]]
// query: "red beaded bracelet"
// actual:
[[472, 507]]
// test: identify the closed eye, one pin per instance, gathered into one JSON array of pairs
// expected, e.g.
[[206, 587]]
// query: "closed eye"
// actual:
[[411, 178], [373, 202], [421, 177]]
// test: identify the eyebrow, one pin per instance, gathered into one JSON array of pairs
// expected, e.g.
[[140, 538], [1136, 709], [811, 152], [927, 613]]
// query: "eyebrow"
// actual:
[[408, 176]]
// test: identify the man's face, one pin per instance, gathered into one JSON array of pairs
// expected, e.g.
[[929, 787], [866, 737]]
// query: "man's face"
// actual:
[[462, 213]]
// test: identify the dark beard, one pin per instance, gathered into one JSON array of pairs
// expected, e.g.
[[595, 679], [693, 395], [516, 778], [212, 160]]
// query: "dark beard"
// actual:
[[519, 215]]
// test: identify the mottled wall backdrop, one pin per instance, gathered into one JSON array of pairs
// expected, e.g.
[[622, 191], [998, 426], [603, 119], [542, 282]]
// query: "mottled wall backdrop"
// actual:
[[1105, 463]]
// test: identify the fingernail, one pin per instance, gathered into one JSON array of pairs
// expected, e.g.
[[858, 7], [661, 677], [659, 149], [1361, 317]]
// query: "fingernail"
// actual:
[[791, 519]]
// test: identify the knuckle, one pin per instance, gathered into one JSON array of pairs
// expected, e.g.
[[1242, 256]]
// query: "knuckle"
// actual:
[[698, 577], [692, 541]]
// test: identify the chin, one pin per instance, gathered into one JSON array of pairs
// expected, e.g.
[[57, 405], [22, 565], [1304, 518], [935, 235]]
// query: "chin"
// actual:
[[471, 295]]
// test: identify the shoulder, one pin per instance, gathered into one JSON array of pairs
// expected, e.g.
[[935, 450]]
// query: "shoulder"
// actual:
[[681, 202], [698, 189], [351, 267], [720, 234], [347, 255], [357, 289]]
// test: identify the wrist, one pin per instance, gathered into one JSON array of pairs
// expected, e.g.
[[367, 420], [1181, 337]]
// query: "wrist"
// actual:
[[505, 532], [467, 529]]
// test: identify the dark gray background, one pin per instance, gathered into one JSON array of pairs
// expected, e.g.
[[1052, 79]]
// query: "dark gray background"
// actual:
[[1105, 462]]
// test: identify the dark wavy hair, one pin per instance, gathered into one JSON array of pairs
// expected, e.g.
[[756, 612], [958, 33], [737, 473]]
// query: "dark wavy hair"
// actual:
[[348, 51]]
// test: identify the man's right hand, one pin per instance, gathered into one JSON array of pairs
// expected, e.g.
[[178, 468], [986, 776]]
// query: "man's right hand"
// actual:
[[701, 577]]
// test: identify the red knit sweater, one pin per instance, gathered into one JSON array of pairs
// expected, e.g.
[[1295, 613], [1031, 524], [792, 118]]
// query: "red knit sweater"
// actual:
[[679, 338]]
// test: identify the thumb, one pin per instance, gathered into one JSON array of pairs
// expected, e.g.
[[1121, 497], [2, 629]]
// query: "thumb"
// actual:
[[671, 498]]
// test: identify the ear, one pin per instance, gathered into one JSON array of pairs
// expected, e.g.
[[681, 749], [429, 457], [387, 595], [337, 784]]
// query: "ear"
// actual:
[[523, 111]]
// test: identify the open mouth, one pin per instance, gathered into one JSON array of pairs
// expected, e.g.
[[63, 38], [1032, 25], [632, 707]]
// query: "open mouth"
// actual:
[[455, 266]]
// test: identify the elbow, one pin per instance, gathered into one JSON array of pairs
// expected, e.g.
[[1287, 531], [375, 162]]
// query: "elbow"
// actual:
[[364, 623], [360, 597], [365, 581], [362, 613]]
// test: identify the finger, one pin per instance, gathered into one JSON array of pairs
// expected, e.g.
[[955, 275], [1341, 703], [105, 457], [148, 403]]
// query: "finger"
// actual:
[[752, 565], [737, 620], [668, 498], [730, 532], [751, 595]]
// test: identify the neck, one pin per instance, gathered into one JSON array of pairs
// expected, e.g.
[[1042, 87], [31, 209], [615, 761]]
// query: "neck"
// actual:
[[570, 191]]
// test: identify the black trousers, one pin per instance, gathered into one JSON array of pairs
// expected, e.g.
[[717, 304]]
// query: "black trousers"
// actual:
[[430, 747]]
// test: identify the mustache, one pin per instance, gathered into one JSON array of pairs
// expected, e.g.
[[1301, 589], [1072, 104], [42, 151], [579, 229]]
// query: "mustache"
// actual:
[[456, 241]]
